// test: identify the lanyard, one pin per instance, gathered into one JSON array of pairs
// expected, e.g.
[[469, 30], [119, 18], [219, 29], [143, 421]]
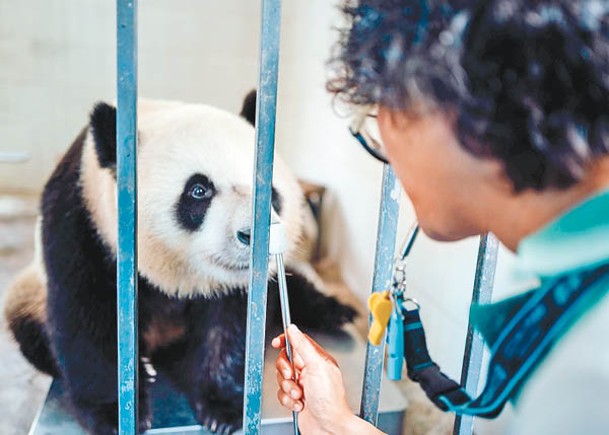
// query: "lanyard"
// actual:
[[543, 317]]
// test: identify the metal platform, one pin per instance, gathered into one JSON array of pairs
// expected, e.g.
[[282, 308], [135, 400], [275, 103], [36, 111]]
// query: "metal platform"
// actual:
[[173, 415]]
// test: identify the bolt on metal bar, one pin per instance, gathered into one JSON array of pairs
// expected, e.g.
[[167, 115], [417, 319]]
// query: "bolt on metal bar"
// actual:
[[383, 269], [126, 180], [474, 345], [261, 214]]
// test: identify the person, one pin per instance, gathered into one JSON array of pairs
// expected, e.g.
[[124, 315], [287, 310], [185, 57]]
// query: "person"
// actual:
[[494, 116]]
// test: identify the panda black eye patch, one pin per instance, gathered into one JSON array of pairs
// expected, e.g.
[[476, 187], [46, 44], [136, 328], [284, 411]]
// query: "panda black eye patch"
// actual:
[[194, 201], [276, 201]]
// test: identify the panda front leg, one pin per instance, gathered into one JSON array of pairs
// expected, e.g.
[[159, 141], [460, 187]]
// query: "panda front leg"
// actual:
[[96, 409], [310, 306], [101, 418], [215, 365], [87, 360], [89, 381]]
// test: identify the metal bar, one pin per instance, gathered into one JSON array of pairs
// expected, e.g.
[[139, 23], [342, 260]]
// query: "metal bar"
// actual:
[[383, 269], [286, 319], [261, 215], [474, 345], [126, 261]]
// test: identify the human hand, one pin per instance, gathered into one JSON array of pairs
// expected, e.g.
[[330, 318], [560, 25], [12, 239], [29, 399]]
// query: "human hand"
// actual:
[[318, 394]]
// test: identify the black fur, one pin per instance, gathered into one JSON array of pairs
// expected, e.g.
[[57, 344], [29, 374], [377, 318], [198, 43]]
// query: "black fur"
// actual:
[[310, 309], [248, 110], [103, 128], [212, 352], [276, 201], [208, 363], [81, 277], [34, 344], [205, 358], [191, 211]]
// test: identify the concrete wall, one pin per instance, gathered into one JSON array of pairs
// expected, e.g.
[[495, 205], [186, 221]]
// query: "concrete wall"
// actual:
[[58, 57], [313, 137]]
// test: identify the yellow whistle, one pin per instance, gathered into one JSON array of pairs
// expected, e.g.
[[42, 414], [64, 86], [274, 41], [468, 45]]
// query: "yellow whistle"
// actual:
[[380, 307]]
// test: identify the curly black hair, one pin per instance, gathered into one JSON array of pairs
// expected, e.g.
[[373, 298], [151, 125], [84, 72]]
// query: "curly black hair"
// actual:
[[528, 79]]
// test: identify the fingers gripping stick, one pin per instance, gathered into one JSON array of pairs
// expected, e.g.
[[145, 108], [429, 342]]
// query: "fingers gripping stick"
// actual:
[[277, 246]]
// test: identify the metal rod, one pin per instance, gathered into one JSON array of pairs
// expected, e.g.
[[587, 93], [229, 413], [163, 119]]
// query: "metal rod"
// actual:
[[286, 319], [383, 268], [126, 180], [474, 345], [261, 215]]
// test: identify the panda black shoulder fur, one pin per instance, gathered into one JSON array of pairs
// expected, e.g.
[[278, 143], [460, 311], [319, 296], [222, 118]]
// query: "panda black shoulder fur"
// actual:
[[194, 184]]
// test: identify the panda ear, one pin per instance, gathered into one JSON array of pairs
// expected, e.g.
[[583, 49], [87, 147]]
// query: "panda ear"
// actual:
[[103, 127], [248, 110]]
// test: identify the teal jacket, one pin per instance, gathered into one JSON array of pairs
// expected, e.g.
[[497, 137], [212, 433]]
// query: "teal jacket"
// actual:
[[559, 397]]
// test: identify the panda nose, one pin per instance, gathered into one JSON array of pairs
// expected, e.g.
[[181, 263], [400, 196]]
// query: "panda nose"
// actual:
[[244, 235]]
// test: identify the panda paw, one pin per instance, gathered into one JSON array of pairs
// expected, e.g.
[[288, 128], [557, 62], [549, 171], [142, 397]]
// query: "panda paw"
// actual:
[[323, 313], [334, 316], [144, 423], [219, 417]]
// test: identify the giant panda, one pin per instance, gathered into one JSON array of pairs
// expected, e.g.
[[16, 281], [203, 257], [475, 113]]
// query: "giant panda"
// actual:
[[195, 174]]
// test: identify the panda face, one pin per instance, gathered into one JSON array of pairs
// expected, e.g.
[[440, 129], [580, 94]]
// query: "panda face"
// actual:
[[196, 199], [195, 174]]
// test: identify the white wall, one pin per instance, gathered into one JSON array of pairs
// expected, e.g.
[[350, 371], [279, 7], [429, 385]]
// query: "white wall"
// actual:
[[58, 57], [315, 141]]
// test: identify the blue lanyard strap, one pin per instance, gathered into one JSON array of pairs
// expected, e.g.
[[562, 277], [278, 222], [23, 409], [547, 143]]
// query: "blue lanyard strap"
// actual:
[[523, 342]]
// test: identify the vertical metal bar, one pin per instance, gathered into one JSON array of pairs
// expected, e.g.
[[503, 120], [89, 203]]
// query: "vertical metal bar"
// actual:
[[261, 214], [474, 345], [383, 269], [126, 152]]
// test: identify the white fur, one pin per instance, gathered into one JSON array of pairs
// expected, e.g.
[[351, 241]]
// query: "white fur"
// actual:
[[177, 140]]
